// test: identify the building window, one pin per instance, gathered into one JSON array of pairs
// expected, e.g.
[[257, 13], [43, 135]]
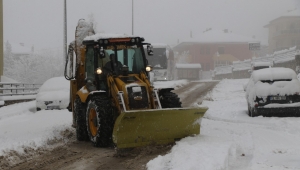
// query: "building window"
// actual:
[[207, 66], [221, 50], [292, 26], [207, 51], [202, 50]]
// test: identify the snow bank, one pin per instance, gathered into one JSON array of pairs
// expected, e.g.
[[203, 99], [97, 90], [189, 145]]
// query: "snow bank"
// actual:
[[21, 126]]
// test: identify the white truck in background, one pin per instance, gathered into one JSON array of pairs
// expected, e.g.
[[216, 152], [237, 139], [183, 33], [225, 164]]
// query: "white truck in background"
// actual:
[[162, 62]]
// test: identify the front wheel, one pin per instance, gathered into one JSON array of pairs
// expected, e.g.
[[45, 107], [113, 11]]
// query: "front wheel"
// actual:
[[169, 100], [99, 120]]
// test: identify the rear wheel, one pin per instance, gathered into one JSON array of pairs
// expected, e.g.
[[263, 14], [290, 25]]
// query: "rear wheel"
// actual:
[[169, 100], [99, 120], [79, 113]]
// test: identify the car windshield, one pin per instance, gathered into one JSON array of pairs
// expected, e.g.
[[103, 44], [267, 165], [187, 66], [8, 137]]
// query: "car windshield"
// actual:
[[159, 58], [272, 81], [260, 67]]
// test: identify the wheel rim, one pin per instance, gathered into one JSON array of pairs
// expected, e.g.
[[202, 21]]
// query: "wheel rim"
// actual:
[[93, 122]]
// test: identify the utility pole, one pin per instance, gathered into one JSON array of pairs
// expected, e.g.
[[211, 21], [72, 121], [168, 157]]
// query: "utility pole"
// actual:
[[132, 16], [1, 49], [65, 30], [1, 39]]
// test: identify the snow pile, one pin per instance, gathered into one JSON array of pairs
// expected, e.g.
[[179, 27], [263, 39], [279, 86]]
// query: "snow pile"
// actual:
[[261, 63], [278, 57], [230, 139], [7, 80], [188, 66], [21, 126], [83, 30], [170, 84], [285, 50], [193, 153]]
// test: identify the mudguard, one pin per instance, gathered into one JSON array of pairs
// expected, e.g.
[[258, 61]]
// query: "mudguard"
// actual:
[[156, 126]]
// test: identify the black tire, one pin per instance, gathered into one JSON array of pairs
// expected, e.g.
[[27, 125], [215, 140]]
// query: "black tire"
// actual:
[[38, 109], [253, 112], [249, 110], [99, 120], [169, 100], [80, 120]]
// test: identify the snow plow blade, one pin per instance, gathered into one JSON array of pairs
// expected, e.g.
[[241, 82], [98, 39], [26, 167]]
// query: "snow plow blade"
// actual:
[[159, 126]]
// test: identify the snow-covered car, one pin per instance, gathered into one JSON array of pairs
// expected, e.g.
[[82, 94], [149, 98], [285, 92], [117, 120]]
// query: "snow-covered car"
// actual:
[[273, 92], [260, 65], [53, 94]]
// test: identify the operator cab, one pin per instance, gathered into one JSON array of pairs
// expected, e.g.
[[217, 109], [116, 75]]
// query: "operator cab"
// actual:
[[127, 52]]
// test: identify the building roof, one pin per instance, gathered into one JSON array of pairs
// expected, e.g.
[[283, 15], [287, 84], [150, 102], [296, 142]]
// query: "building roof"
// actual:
[[217, 37], [293, 13], [220, 36]]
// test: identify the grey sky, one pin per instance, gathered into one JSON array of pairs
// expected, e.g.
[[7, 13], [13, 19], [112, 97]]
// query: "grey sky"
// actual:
[[40, 22]]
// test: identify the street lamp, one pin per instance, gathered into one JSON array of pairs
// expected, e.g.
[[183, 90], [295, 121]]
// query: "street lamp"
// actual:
[[65, 29], [1, 40]]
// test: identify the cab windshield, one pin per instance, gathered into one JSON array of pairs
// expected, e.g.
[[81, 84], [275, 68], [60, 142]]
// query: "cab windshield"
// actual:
[[130, 56]]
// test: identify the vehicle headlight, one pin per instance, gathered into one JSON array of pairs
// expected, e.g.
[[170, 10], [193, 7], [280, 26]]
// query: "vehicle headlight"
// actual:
[[99, 71], [148, 68]]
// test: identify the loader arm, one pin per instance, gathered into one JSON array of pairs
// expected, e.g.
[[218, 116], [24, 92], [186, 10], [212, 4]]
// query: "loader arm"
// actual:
[[113, 90]]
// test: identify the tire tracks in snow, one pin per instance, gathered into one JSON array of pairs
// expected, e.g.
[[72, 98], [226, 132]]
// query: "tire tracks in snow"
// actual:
[[194, 92]]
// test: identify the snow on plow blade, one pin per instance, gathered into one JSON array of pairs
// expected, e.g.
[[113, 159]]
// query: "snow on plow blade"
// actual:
[[159, 126]]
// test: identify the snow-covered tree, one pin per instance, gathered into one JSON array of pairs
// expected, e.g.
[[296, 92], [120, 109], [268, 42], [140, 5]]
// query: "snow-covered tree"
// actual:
[[33, 68], [8, 60]]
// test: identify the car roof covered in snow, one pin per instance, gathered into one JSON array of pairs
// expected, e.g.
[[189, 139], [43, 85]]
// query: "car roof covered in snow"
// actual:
[[275, 73], [261, 63]]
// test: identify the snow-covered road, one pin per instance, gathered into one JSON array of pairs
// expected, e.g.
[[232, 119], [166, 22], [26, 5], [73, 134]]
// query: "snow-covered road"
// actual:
[[229, 138]]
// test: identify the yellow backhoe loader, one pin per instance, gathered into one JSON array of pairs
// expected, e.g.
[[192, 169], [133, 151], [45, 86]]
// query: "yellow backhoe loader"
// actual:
[[118, 104]]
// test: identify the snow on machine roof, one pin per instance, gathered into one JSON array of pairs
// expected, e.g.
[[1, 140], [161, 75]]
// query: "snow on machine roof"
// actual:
[[98, 36]]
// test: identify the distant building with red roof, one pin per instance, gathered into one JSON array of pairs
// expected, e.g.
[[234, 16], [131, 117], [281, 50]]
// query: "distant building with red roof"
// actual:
[[216, 48]]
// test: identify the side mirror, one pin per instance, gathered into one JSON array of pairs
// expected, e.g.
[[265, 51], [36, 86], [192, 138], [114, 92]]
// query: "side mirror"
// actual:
[[101, 53], [149, 50]]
